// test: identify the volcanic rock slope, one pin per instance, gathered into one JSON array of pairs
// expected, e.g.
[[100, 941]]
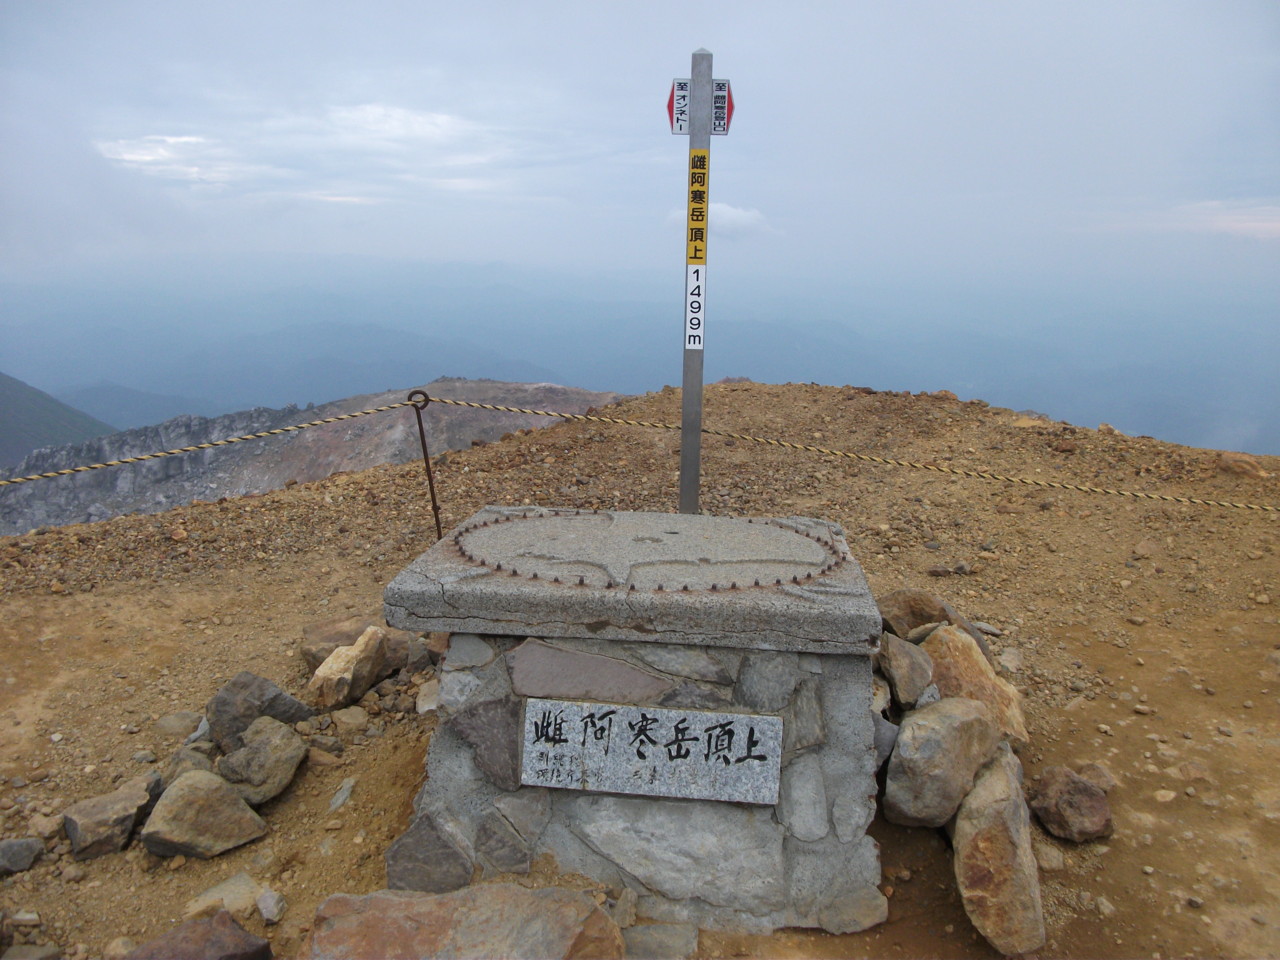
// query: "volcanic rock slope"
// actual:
[[257, 466], [1143, 633]]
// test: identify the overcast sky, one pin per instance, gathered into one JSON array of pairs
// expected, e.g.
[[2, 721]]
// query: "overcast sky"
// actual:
[[1047, 148]]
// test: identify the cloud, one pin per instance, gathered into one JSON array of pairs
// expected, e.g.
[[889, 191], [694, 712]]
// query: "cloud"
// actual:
[[1256, 219], [191, 158], [1259, 220], [728, 222], [383, 123], [362, 153]]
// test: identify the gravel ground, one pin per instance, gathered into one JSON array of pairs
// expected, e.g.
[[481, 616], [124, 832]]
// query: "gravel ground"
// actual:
[[1144, 635]]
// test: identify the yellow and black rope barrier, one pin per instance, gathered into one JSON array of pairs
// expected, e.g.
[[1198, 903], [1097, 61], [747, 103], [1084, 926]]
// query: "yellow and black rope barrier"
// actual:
[[867, 458], [593, 418], [199, 446]]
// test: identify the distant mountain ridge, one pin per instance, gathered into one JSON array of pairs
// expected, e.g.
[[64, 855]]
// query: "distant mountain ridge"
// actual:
[[32, 419], [129, 408], [268, 464]]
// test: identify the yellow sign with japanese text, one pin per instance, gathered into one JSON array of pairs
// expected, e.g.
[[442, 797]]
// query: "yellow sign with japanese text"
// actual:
[[696, 228]]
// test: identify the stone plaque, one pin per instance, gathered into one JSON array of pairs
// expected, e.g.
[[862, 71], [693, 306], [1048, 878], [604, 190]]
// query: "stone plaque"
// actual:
[[650, 751], [755, 583]]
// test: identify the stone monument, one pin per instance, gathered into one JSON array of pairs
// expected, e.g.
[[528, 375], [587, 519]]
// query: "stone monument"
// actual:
[[673, 704]]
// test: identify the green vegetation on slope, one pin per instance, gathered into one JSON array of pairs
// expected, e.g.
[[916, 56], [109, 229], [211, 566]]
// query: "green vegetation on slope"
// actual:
[[30, 418]]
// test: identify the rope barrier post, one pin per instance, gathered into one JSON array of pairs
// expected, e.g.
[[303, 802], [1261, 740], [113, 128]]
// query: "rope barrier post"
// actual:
[[697, 107], [419, 400]]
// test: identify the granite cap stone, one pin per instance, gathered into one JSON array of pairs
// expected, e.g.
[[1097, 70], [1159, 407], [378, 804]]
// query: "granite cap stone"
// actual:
[[763, 583]]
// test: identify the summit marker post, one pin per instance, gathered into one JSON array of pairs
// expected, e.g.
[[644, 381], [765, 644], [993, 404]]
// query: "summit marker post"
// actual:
[[697, 108]]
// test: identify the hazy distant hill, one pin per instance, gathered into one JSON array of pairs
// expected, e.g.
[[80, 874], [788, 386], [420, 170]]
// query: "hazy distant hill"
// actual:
[[260, 465], [129, 408], [32, 419]]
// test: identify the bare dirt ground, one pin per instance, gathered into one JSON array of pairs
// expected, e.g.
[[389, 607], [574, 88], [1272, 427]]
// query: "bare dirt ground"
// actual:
[[1147, 634]]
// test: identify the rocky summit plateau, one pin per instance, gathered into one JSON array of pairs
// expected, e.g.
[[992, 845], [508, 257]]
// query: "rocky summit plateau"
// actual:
[[210, 741]]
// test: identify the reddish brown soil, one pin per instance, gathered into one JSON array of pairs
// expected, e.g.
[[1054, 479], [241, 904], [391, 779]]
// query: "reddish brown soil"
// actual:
[[1113, 603]]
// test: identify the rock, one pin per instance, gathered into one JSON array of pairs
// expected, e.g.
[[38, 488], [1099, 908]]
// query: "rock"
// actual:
[[1048, 857], [201, 732], [326, 743], [424, 858], [238, 895], [500, 846], [904, 610], [185, 759], [118, 948], [528, 810], [267, 762], [271, 906], [1070, 806], [350, 720], [1011, 660], [350, 671], [766, 680], [678, 848], [428, 699], [200, 815], [661, 941], [886, 736], [691, 663], [539, 669], [1241, 464], [243, 699], [177, 726], [32, 951], [103, 824], [623, 910], [17, 856], [832, 884], [490, 920], [919, 633], [342, 795], [45, 827], [1270, 666], [995, 865], [466, 650], [960, 670], [418, 654], [493, 729], [802, 799], [205, 938], [803, 725], [881, 692], [1099, 775], [907, 667], [940, 748], [319, 640], [691, 695], [322, 758]]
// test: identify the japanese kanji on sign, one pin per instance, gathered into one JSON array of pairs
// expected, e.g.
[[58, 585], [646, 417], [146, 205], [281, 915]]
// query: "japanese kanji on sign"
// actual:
[[697, 107], [651, 751]]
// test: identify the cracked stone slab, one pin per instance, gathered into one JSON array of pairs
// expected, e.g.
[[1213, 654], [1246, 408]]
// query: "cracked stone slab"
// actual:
[[758, 583]]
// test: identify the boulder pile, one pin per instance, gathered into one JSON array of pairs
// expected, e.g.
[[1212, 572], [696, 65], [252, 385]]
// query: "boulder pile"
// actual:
[[948, 729], [242, 751], [948, 726]]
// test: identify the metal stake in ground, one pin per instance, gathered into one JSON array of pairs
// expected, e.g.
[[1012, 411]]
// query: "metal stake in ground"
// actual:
[[697, 108]]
